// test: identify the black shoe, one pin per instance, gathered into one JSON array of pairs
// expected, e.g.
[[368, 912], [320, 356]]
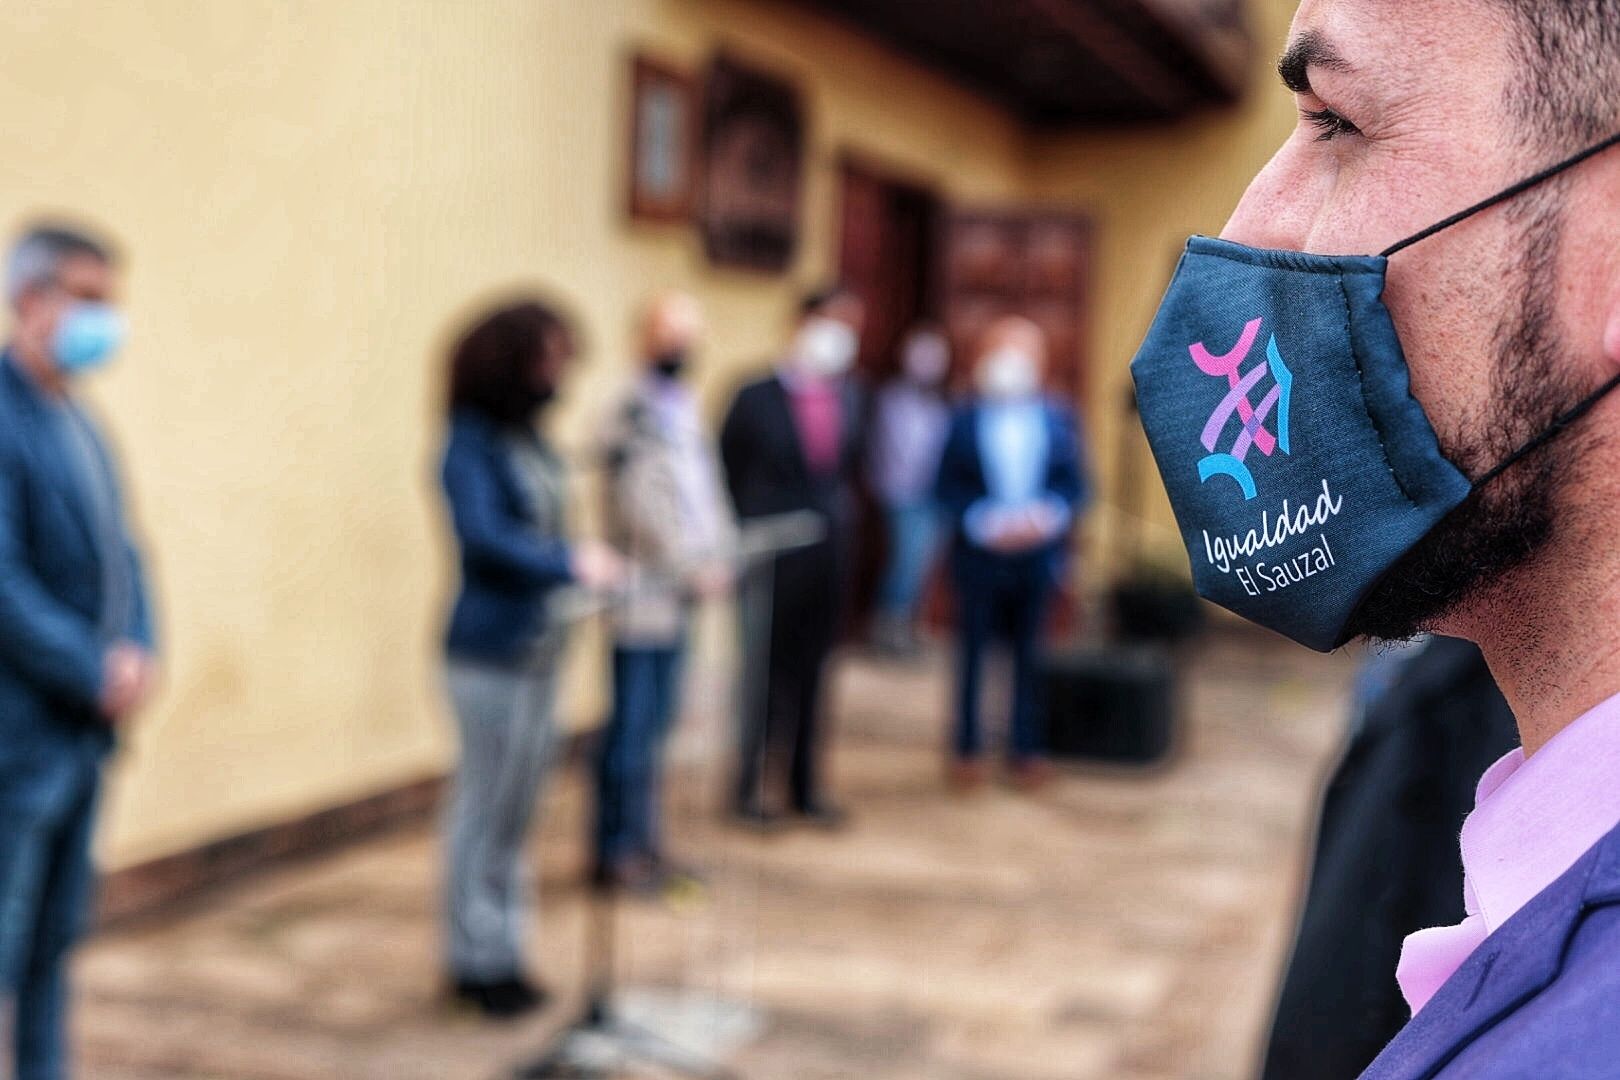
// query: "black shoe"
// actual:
[[502, 999], [523, 995], [755, 817], [824, 816]]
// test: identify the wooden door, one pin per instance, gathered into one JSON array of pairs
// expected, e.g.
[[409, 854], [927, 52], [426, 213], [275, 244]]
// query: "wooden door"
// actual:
[[887, 235], [1020, 262]]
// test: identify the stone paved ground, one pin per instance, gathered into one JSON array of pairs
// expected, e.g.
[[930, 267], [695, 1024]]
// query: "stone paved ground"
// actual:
[[1117, 926]]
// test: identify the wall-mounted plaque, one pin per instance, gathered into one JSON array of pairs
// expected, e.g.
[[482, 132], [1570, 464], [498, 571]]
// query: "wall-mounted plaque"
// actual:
[[664, 133]]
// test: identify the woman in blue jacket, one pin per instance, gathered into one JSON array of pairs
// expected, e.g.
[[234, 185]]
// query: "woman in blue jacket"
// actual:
[[506, 493]]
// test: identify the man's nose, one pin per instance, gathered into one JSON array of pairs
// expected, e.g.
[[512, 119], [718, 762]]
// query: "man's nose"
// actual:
[[1278, 209]]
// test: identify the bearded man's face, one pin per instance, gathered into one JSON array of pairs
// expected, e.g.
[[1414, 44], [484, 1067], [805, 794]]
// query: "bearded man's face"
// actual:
[[1393, 136]]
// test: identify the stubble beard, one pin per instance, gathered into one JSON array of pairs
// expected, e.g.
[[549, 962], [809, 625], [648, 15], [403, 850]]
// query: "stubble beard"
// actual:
[[1475, 560]]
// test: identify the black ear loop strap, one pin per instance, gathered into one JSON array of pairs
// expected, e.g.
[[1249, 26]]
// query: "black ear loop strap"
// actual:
[[1502, 196], [1554, 429], [1585, 405]]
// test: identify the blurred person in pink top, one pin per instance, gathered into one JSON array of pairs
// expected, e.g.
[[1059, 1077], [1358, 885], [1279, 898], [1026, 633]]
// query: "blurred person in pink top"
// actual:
[[910, 418]]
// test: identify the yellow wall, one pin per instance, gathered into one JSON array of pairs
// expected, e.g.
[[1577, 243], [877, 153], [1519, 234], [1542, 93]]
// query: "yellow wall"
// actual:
[[311, 193]]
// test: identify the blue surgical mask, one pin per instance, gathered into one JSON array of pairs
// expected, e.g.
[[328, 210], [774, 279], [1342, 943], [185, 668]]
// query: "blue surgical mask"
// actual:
[[1273, 389], [88, 336]]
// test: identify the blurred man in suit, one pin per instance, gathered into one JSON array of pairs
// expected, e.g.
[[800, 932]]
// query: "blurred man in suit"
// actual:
[[75, 634], [790, 442], [1012, 482]]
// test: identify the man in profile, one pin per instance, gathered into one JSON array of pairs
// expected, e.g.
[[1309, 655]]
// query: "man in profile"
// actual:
[[791, 443], [75, 633], [1510, 319]]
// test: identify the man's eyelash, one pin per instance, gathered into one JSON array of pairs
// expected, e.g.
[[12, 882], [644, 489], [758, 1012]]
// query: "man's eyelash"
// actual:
[[1330, 123]]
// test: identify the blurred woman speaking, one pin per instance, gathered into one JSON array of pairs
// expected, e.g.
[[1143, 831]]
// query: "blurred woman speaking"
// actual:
[[506, 493]]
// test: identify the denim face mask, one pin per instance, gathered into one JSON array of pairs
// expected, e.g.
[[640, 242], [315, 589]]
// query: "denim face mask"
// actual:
[[1273, 390]]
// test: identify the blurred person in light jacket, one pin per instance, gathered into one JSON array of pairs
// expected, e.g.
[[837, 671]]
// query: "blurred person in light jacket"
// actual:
[[909, 420], [506, 490], [1012, 481], [666, 509], [75, 629], [790, 443]]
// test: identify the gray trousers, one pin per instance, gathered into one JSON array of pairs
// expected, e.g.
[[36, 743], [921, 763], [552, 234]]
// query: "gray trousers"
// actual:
[[507, 727]]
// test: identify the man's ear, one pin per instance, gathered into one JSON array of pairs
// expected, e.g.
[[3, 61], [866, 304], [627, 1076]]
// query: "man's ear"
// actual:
[[24, 310]]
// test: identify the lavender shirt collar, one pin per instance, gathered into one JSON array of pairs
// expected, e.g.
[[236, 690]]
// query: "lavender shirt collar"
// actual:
[[1532, 819], [1549, 805]]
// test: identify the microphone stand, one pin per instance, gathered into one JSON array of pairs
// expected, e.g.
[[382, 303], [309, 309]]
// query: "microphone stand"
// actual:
[[577, 1052]]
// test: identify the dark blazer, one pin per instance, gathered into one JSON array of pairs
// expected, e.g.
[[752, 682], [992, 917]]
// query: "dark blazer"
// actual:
[[766, 471], [506, 566], [1539, 999], [962, 483], [1386, 860], [52, 645]]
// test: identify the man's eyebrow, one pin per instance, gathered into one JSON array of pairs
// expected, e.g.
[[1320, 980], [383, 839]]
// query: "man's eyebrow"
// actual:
[[1308, 50]]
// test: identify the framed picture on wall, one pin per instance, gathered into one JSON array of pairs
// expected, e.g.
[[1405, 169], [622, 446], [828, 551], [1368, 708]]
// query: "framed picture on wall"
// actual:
[[753, 150], [664, 133]]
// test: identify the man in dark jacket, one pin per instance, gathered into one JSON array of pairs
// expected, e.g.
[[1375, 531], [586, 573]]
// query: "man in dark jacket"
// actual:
[[1428, 720], [790, 442], [75, 633], [1012, 484]]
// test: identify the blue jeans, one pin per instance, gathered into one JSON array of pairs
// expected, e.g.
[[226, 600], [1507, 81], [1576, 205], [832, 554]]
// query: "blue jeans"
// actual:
[[1005, 599], [629, 765], [47, 814], [913, 539]]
